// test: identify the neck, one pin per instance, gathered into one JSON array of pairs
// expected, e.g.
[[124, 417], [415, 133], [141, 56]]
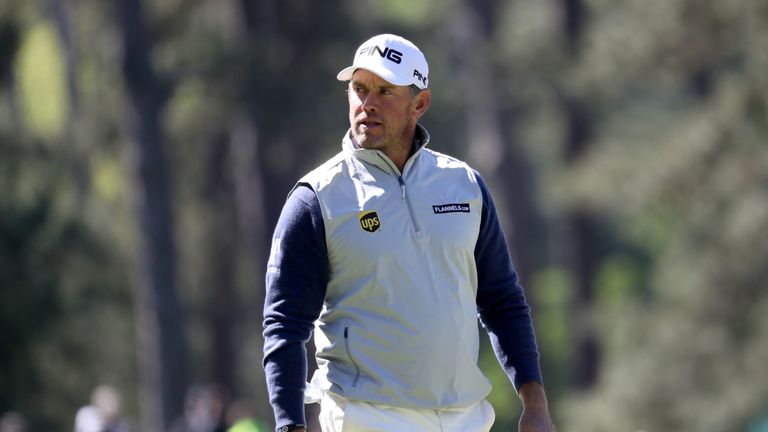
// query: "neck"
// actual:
[[399, 154]]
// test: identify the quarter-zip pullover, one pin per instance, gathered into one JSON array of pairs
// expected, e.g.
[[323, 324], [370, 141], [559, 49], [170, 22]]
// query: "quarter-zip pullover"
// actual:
[[391, 269]]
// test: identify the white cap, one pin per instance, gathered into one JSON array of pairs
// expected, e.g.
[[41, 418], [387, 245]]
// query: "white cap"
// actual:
[[391, 57]]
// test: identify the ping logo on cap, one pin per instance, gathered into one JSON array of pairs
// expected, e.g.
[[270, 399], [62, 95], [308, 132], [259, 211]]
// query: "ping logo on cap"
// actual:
[[388, 53], [369, 221], [419, 76]]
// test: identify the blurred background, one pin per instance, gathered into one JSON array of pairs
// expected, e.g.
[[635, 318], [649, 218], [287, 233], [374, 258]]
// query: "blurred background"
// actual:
[[147, 146]]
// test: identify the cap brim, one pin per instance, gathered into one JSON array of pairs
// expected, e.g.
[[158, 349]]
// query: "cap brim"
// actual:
[[346, 73]]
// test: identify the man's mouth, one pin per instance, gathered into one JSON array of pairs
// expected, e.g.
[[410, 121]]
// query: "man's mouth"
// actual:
[[369, 123]]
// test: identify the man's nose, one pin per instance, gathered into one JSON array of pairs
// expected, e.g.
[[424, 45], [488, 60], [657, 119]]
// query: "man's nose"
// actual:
[[370, 101]]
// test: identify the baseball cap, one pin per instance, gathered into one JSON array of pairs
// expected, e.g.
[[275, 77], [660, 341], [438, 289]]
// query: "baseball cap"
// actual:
[[391, 57]]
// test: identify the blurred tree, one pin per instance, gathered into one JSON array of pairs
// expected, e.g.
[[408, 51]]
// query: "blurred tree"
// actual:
[[680, 166], [492, 131], [582, 224], [60, 15], [64, 296], [10, 36], [63, 302], [219, 195], [159, 315]]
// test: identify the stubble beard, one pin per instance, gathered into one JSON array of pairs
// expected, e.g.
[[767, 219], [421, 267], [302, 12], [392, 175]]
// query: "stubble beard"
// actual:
[[386, 142]]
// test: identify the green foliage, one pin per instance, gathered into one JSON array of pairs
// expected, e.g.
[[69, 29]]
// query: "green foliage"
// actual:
[[691, 192], [63, 298], [41, 71], [502, 397], [619, 280], [553, 289]]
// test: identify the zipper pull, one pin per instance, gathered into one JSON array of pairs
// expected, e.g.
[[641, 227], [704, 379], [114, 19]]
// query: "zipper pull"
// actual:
[[402, 186]]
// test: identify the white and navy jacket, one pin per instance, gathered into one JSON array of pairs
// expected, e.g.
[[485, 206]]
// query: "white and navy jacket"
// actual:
[[390, 270]]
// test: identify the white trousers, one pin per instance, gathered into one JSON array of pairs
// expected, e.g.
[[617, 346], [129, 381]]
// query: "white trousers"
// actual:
[[338, 414]]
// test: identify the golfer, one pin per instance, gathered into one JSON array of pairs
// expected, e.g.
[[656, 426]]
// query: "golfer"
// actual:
[[390, 251]]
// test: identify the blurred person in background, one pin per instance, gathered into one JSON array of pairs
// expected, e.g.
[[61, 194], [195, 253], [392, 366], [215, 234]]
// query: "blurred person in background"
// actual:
[[204, 410], [389, 251], [103, 413], [12, 422]]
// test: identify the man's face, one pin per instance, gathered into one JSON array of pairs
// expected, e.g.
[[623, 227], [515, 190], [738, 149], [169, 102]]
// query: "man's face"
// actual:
[[382, 115]]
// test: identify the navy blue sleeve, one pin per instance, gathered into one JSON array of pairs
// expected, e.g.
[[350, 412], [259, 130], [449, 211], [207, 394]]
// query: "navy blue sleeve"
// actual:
[[501, 302], [296, 281]]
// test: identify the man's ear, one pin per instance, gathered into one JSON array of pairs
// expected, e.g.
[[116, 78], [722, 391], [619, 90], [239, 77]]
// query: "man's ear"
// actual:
[[421, 105]]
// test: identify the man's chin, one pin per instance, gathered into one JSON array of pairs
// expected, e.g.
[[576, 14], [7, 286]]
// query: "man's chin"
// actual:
[[367, 142]]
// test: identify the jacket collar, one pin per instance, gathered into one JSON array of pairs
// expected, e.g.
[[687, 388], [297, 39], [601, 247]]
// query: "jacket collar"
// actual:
[[378, 158]]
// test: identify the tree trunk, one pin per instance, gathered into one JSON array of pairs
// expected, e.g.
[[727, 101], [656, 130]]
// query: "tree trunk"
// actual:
[[59, 13], [252, 185], [10, 42], [222, 234], [158, 312], [582, 226]]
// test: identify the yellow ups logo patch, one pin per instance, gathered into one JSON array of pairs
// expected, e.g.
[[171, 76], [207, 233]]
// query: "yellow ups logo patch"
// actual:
[[369, 221]]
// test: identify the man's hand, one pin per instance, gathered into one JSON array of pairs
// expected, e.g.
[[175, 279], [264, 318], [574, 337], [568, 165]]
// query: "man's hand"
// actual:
[[535, 417]]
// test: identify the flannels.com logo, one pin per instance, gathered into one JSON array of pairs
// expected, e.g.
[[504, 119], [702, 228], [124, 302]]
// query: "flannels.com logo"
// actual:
[[451, 208], [390, 54], [369, 221]]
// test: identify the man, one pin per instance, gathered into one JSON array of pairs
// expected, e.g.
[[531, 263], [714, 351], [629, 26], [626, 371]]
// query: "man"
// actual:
[[389, 251], [103, 414]]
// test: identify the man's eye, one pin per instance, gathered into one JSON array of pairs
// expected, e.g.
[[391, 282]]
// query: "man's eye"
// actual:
[[358, 89], [386, 91]]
